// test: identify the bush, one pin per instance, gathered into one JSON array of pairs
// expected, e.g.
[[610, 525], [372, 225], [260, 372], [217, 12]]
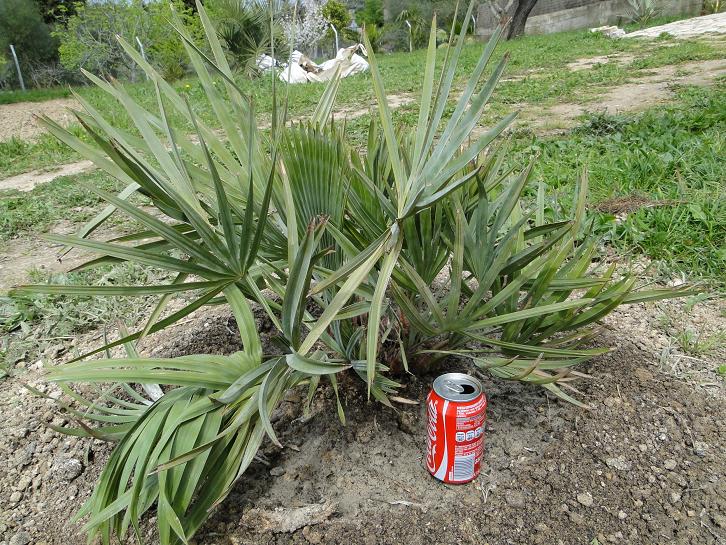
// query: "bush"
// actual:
[[348, 247], [21, 25], [89, 41]]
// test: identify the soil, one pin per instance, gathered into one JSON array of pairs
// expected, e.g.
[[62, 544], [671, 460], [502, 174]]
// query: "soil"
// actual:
[[28, 180], [644, 465], [641, 94], [19, 118]]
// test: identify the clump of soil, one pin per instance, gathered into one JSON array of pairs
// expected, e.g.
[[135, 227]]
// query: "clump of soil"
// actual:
[[644, 465], [629, 204]]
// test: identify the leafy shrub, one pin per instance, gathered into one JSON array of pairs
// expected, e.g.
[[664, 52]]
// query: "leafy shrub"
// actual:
[[350, 244], [89, 41], [21, 25], [642, 12]]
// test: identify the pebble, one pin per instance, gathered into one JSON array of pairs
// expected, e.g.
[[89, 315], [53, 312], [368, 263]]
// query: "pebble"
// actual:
[[514, 498], [585, 498], [278, 471], [700, 448], [619, 463], [15, 497], [21, 538], [670, 464], [66, 468], [622, 515]]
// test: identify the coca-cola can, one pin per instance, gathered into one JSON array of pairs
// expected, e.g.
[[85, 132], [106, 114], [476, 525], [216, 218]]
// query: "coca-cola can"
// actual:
[[456, 418]]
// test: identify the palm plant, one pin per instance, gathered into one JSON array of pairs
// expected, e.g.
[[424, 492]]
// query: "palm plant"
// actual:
[[342, 251], [642, 12]]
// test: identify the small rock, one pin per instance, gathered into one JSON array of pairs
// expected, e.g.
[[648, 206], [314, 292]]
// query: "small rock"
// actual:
[[278, 471], [407, 423], [670, 464], [21, 538], [585, 498], [619, 463], [622, 515], [311, 535], [65, 468], [675, 497], [541, 527], [576, 518], [514, 498], [514, 447], [15, 497], [643, 375], [700, 448]]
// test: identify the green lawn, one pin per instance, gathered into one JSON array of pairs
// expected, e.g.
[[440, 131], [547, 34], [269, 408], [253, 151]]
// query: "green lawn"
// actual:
[[669, 155], [538, 65]]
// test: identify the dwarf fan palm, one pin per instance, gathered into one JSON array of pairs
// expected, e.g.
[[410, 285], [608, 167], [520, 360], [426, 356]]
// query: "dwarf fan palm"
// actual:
[[344, 253]]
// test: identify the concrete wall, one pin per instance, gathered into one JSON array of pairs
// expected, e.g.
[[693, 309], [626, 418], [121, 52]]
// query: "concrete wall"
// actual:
[[550, 16]]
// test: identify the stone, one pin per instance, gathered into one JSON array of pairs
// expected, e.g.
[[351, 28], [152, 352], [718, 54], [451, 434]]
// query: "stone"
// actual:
[[670, 464], [576, 518], [700, 448], [585, 498], [277, 471], [622, 515], [514, 498], [21, 538], [15, 497], [643, 375], [619, 463], [66, 468]]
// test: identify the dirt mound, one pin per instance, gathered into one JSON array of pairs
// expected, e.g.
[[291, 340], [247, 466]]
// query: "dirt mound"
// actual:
[[643, 466]]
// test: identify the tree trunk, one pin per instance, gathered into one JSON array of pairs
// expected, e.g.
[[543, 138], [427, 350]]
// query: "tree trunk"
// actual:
[[519, 19]]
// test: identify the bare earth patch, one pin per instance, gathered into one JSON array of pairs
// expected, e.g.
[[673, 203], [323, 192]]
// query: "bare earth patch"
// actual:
[[643, 466], [639, 95], [18, 119], [28, 180]]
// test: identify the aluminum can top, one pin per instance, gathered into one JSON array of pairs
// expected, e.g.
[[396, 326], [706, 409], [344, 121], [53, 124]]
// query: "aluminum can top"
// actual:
[[457, 387]]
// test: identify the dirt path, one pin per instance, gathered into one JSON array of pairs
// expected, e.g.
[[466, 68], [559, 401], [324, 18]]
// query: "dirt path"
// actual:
[[28, 180], [643, 466], [19, 118], [643, 93]]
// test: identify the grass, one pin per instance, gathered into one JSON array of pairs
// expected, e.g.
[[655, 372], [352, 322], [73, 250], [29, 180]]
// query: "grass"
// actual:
[[62, 199], [670, 158], [35, 326], [538, 63], [34, 95]]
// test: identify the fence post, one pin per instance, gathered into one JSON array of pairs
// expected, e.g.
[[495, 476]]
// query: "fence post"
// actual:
[[143, 53], [410, 37], [17, 67], [335, 31]]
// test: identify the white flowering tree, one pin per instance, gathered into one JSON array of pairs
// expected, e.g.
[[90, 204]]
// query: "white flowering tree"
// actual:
[[307, 27]]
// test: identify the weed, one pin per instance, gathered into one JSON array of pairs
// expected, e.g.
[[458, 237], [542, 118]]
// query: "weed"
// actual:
[[698, 343], [34, 325], [62, 199]]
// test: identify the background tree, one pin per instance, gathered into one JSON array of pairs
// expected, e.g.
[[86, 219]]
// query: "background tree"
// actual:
[[89, 41], [243, 28], [22, 25], [519, 18], [336, 13]]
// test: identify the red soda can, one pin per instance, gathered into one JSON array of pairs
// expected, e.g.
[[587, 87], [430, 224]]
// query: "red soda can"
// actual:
[[456, 417]]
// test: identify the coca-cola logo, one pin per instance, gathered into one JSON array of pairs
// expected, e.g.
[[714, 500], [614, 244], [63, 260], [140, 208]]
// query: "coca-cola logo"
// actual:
[[431, 450]]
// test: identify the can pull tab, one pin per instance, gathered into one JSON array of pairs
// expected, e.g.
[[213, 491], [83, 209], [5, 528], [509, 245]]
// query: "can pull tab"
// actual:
[[458, 388]]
